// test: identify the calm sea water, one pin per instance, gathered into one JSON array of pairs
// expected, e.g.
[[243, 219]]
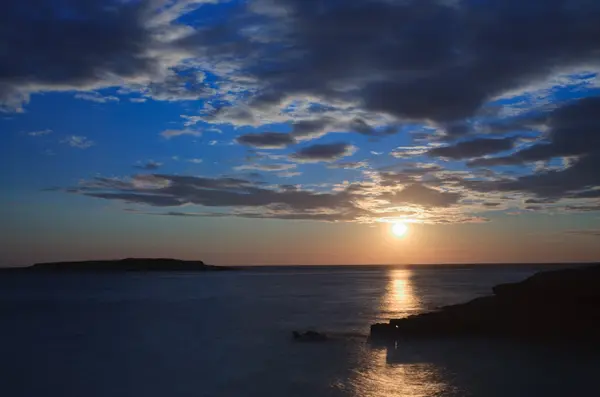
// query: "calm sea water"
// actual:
[[228, 334]]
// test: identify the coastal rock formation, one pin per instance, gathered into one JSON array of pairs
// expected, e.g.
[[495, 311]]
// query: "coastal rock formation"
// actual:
[[554, 304], [128, 265]]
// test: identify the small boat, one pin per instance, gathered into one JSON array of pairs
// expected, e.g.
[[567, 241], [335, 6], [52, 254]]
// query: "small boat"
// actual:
[[309, 336]]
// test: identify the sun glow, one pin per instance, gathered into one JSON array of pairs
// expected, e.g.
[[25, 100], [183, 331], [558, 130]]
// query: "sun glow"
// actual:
[[399, 229]]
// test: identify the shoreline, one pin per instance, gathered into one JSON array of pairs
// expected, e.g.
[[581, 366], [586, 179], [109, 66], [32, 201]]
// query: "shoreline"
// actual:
[[558, 304]]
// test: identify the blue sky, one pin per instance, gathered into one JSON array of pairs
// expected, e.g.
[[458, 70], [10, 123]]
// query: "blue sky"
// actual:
[[297, 131]]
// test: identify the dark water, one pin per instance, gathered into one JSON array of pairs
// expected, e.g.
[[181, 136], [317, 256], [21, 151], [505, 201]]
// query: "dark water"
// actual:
[[228, 334]]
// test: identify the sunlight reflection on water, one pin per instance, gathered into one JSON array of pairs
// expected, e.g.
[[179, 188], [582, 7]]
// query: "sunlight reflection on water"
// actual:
[[377, 377], [381, 379], [400, 297]]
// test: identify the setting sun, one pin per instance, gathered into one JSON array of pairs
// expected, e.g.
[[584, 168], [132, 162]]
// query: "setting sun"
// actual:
[[399, 229]]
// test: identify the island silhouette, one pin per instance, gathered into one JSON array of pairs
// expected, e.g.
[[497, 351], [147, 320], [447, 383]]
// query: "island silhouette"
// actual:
[[124, 265]]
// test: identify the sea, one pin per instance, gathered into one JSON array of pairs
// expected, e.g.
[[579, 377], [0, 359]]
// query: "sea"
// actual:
[[229, 334]]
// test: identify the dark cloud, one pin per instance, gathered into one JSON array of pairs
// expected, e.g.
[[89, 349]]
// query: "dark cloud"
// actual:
[[574, 131], [419, 59], [473, 148], [424, 196], [267, 140], [539, 201], [71, 44], [324, 152], [595, 193], [92, 44], [492, 205], [245, 198], [266, 167], [550, 185], [311, 127], [149, 166], [422, 59], [362, 127], [407, 175], [161, 190]]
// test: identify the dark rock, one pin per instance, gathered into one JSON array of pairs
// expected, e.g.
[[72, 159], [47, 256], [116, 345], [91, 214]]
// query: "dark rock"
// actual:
[[309, 336], [554, 304]]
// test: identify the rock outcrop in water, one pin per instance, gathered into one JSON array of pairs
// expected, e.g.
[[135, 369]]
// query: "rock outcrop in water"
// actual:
[[125, 265], [554, 304]]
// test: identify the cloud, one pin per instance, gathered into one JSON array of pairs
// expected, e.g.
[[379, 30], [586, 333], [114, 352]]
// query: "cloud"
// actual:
[[266, 167], [288, 174], [409, 151], [161, 190], [324, 152], [138, 100], [438, 61], [195, 161], [424, 196], [78, 141], [96, 97], [311, 128], [88, 45], [572, 132], [149, 166], [350, 165], [473, 148], [368, 201], [168, 134], [267, 140], [177, 85], [39, 133]]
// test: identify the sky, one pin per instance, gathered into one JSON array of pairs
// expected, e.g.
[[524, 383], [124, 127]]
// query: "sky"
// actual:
[[299, 131]]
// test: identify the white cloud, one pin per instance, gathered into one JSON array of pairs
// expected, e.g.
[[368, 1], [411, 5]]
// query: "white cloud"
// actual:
[[168, 134], [78, 141], [289, 174], [96, 97], [39, 133], [409, 151]]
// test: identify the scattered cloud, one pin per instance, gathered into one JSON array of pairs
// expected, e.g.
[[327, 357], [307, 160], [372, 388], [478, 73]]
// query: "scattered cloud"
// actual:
[[78, 141], [39, 133], [149, 166], [350, 165], [473, 148], [424, 196], [130, 43], [168, 134], [518, 117], [324, 152], [289, 174], [267, 140], [408, 151], [96, 97], [195, 161], [265, 167]]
